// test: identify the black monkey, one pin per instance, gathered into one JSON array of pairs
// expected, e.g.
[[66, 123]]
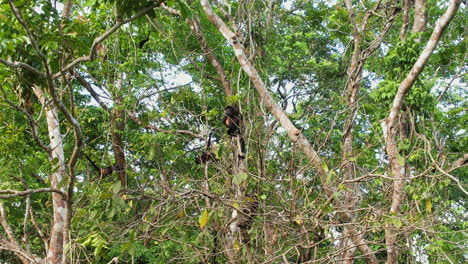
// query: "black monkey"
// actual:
[[233, 121], [207, 155], [103, 172]]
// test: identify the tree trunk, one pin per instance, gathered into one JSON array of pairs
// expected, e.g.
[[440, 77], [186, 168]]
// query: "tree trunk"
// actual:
[[117, 128], [60, 210], [390, 128]]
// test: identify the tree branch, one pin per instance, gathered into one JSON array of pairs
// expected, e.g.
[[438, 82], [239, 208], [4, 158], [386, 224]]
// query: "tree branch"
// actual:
[[21, 65], [15, 193], [31, 121], [389, 125], [155, 128]]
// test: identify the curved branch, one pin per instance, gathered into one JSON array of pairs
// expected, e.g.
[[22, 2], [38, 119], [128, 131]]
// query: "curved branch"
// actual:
[[21, 65]]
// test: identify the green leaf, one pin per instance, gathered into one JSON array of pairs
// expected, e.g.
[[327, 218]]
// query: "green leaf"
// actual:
[[243, 176], [237, 179], [203, 219], [325, 166], [429, 205], [401, 160], [184, 9], [116, 187]]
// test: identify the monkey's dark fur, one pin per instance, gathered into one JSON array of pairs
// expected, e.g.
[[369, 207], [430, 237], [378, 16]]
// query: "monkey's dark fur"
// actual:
[[207, 155], [103, 172], [233, 121]]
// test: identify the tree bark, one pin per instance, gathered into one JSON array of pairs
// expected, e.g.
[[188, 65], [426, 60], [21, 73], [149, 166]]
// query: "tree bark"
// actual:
[[420, 17], [117, 128], [56, 245], [405, 25]]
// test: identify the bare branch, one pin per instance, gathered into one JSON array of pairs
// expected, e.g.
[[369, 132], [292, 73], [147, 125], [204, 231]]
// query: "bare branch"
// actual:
[[89, 88], [21, 65], [14, 193], [454, 77]]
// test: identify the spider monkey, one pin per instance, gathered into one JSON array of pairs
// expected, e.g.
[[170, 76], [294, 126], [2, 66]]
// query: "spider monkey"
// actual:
[[103, 172], [207, 155], [233, 121]]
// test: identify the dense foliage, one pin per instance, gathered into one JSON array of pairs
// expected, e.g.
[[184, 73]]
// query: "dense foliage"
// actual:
[[147, 95]]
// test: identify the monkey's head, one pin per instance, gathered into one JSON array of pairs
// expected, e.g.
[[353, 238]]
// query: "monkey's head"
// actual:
[[231, 111]]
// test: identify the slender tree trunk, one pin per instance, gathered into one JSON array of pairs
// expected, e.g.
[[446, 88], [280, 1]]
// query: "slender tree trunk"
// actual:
[[390, 128], [117, 128], [405, 25], [60, 209], [420, 17]]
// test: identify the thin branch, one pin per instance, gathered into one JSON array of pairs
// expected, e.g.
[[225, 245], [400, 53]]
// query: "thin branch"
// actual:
[[155, 128], [31, 121], [38, 230], [456, 76], [15, 193], [21, 65], [89, 88]]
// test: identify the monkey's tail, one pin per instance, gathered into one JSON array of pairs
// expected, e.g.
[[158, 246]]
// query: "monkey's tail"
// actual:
[[92, 163], [241, 147]]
